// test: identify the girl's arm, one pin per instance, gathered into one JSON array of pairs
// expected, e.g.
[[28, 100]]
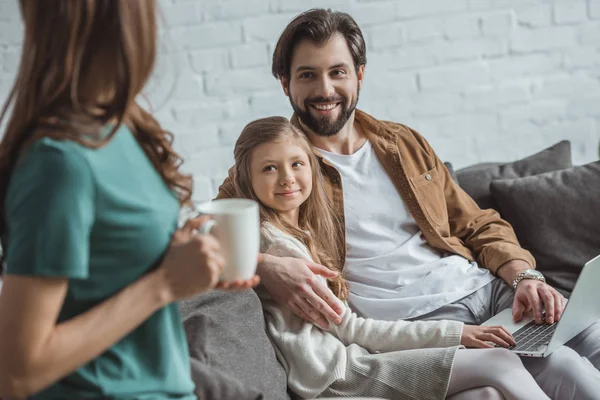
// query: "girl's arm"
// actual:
[[385, 336], [377, 335]]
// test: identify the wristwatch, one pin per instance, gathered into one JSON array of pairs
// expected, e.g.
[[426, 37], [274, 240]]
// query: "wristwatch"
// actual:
[[528, 274]]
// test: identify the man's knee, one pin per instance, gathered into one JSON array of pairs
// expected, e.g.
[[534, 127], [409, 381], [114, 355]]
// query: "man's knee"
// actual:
[[587, 344], [563, 362]]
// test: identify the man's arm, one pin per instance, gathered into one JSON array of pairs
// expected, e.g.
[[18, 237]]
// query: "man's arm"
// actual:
[[495, 247], [491, 239]]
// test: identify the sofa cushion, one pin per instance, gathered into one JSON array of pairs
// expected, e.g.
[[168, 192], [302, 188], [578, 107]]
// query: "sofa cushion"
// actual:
[[475, 180], [226, 331], [556, 217]]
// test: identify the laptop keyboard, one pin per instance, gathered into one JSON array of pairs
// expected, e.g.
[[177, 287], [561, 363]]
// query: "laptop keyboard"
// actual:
[[532, 336]]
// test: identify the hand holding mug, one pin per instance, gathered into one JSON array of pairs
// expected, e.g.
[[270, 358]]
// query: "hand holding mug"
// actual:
[[236, 225], [193, 262]]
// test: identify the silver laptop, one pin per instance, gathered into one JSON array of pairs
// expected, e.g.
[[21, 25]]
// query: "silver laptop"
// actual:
[[581, 311]]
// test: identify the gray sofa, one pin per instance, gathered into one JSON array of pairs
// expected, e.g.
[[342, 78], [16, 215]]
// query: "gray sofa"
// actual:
[[553, 206]]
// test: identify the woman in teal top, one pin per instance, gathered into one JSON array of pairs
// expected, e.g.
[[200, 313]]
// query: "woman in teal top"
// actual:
[[89, 196]]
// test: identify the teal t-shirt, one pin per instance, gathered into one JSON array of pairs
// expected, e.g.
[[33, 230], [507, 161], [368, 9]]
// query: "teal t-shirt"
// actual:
[[101, 218]]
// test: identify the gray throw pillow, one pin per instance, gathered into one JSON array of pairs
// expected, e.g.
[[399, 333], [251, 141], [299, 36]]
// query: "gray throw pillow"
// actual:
[[226, 333], [556, 216], [475, 180]]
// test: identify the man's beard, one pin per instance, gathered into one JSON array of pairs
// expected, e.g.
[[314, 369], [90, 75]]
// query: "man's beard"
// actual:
[[323, 126]]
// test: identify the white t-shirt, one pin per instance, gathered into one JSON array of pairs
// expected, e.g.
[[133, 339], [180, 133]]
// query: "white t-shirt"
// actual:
[[392, 272]]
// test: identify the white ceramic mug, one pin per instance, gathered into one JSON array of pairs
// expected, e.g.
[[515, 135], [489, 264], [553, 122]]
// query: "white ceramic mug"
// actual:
[[235, 223]]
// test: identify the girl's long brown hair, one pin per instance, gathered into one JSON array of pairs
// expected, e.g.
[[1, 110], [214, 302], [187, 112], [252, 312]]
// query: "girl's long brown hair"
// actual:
[[315, 214], [82, 65]]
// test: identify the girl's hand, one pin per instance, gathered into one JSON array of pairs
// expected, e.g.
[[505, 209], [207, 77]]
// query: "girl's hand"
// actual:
[[193, 262], [479, 336]]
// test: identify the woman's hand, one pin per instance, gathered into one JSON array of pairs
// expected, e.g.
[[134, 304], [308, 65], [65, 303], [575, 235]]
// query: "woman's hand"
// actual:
[[479, 336], [193, 262]]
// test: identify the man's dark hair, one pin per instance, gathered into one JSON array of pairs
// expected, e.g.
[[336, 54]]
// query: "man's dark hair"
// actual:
[[317, 25]]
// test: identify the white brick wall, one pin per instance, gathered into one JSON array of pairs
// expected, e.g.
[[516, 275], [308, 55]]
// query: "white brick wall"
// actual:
[[481, 79]]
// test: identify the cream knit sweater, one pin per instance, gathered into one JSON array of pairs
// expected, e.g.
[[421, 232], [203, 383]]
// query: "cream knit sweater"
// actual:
[[411, 359]]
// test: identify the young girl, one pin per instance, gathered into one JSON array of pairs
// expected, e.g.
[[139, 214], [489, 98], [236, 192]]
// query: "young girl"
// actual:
[[276, 167], [90, 192]]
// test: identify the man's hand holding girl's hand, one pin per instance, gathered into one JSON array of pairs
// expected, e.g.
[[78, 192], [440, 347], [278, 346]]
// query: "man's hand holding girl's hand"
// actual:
[[293, 282]]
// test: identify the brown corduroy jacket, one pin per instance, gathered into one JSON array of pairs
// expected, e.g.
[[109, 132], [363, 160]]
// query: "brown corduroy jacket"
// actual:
[[449, 219]]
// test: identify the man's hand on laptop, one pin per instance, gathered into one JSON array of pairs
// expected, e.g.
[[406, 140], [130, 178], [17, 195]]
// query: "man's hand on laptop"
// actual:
[[486, 336], [292, 282], [536, 296]]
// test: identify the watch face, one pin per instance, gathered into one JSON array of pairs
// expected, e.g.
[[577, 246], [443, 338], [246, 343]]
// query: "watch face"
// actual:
[[533, 273]]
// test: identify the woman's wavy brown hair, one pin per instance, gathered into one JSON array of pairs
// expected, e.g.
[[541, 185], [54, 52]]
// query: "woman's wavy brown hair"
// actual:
[[315, 214], [83, 63]]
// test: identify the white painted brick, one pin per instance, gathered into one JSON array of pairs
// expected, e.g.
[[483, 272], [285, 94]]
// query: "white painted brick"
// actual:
[[9, 10], [584, 106], [454, 77], [412, 9], [460, 26], [538, 113], [570, 12], [233, 9], [180, 14], [206, 35], [203, 189], [229, 132], [250, 55], [582, 57], [210, 60], [213, 74], [300, 6], [408, 57], [479, 5], [239, 81], [395, 82], [467, 125], [376, 13], [270, 103], [211, 162], [265, 28], [589, 34], [524, 65], [594, 9], [10, 61], [385, 36], [528, 40], [423, 29], [495, 96], [534, 15], [213, 111], [188, 88], [498, 24], [428, 104], [10, 33], [199, 138], [565, 85], [391, 108], [470, 48]]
